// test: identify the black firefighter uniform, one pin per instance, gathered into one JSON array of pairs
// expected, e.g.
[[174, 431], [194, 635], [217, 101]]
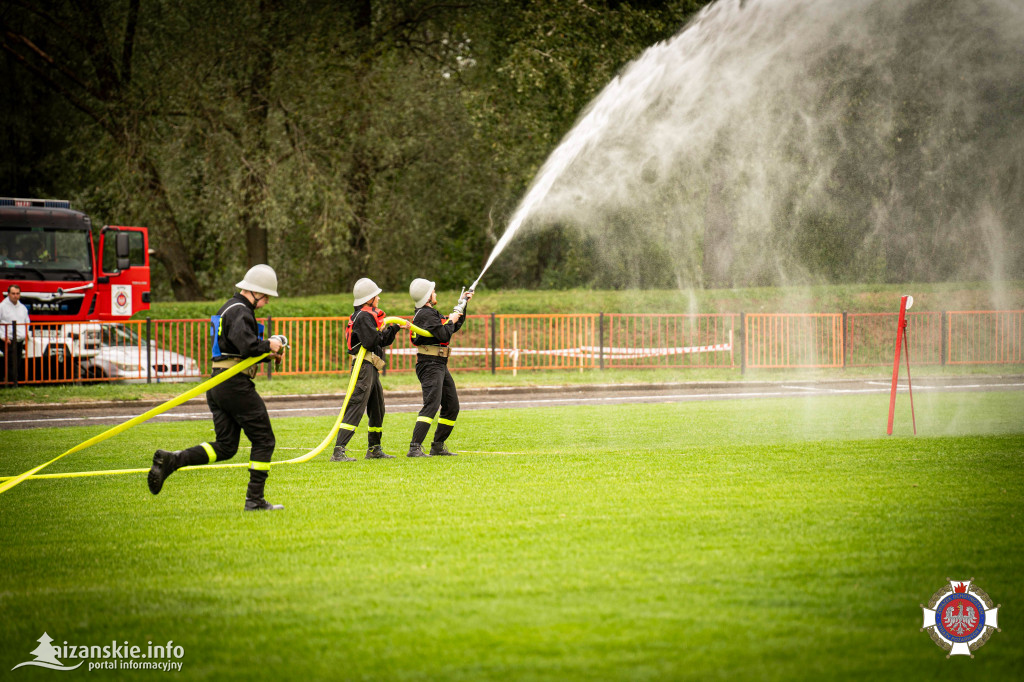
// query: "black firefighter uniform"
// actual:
[[235, 404], [367, 395], [435, 379]]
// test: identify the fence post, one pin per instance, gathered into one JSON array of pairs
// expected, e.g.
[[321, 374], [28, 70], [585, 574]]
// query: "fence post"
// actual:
[[944, 342], [267, 332], [743, 343], [22, 372], [842, 340], [600, 339], [582, 340], [10, 343], [494, 346], [515, 351], [149, 347]]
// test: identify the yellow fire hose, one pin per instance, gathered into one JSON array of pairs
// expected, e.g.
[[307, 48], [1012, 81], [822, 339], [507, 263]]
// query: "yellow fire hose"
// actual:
[[11, 481], [348, 394], [341, 415], [399, 320]]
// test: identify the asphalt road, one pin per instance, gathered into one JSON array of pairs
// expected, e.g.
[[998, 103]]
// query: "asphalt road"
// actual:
[[50, 416]]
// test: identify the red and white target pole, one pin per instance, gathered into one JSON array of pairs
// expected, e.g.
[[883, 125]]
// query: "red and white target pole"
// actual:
[[901, 342]]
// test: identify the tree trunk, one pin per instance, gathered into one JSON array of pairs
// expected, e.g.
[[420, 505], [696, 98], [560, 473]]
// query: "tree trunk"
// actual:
[[165, 238], [361, 173], [256, 250], [257, 153], [171, 254]]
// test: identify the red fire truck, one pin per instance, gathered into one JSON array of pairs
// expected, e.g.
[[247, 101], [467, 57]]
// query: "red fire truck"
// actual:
[[46, 249]]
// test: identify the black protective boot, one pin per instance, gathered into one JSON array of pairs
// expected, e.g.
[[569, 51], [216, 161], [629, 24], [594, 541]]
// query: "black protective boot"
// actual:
[[377, 452], [262, 505], [440, 450], [416, 450], [165, 463], [254, 500], [340, 456]]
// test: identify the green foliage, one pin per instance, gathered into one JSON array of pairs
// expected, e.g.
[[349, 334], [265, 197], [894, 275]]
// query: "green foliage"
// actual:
[[333, 141], [394, 140]]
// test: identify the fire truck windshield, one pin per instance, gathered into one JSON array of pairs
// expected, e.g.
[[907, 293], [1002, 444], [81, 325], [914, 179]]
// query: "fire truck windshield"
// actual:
[[45, 254]]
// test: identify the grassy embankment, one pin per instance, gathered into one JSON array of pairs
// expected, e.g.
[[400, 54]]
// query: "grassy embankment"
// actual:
[[832, 298]]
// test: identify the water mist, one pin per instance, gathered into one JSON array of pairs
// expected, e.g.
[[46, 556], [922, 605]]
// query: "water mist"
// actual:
[[797, 141]]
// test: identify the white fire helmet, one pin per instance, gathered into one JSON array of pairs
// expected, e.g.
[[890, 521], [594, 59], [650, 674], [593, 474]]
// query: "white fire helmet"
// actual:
[[364, 291], [260, 279], [420, 290]]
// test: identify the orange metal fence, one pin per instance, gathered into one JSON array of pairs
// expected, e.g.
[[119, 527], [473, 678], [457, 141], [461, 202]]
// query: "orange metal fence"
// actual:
[[985, 337], [472, 349], [531, 342], [179, 350], [793, 340], [316, 344], [179, 346], [870, 338], [109, 351], [655, 341], [46, 352]]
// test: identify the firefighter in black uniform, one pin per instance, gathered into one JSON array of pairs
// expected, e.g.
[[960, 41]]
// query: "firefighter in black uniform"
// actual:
[[235, 404], [432, 369], [364, 329]]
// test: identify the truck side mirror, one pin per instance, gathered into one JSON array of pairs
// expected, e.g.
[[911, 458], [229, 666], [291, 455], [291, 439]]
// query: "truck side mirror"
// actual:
[[122, 250]]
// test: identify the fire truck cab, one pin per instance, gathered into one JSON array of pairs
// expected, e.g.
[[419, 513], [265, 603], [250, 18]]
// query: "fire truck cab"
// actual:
[[46, 249]]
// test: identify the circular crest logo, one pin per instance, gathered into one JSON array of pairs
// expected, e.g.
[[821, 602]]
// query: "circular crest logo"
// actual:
[[122, 300], [960, 618]]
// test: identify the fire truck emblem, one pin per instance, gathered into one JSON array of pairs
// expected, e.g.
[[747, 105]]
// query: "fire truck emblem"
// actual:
[[120, 299], [960, 618]]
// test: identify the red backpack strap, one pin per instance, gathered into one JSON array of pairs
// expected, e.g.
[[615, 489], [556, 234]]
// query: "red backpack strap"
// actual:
[[378, 317], [348, 331]]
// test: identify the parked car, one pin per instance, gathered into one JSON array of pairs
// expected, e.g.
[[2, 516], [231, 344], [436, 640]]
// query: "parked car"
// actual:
[[122, 355], [53, 352]]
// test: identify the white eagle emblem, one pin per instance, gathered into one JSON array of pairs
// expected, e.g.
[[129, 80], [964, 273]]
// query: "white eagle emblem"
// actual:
[[960, 622]]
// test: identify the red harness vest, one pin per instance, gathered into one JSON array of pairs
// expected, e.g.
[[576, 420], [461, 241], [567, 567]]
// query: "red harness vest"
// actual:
[[378, 316]]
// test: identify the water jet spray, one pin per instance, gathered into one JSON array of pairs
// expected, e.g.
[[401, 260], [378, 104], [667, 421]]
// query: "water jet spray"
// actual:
[[782, 142]]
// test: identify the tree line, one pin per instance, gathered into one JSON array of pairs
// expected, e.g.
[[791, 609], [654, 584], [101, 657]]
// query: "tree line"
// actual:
[[331, 139], [334, 140]]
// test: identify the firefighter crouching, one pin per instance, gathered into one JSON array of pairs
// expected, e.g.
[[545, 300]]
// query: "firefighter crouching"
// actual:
[[235, 404], [432, 369], [364, 329]]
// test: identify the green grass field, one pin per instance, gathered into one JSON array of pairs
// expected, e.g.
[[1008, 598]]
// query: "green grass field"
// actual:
[[758, 540]]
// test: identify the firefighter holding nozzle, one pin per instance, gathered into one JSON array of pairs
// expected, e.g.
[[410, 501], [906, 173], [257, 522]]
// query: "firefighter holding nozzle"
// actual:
[[432, 368], [366, 329], [235, 404]]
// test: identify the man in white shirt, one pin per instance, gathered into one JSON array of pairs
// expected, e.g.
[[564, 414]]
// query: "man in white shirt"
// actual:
[[12, 310]]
